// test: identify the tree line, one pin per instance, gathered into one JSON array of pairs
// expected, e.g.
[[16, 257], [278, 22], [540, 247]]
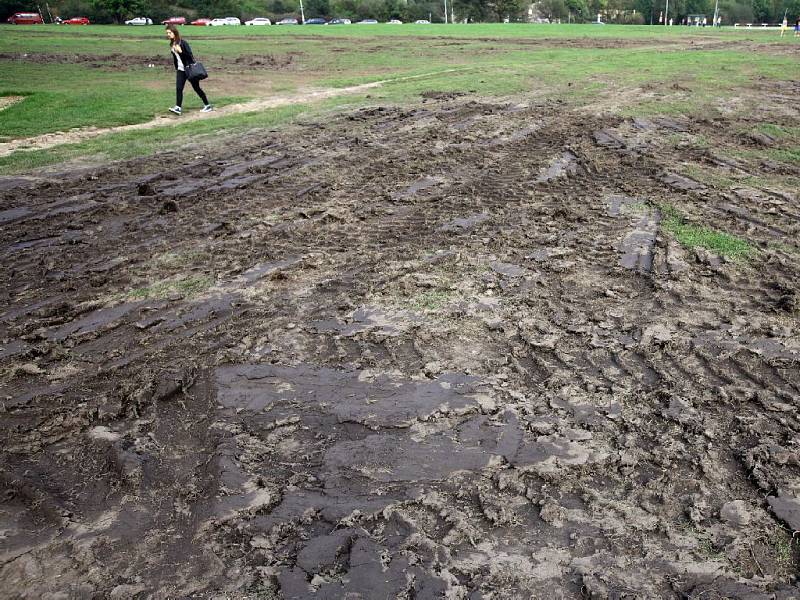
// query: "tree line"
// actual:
[[612, 11]]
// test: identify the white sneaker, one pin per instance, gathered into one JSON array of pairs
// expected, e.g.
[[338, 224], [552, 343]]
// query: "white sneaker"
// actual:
[[207, 108], [176, 109]]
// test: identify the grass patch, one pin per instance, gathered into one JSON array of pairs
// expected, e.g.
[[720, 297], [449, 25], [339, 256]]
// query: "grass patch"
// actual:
[[181, 260], [132, 144], [789, 155], [70, 80], [782, 546], [706, 176], [187, 288], [694, 236], [433, 300]]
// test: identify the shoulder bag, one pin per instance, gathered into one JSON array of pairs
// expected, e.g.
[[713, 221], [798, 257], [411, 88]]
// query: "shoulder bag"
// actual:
[[196, 71]]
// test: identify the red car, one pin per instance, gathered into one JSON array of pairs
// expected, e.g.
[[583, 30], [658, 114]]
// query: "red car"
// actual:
[[203, 22], [175, 21], [76, 21], [25, 19]]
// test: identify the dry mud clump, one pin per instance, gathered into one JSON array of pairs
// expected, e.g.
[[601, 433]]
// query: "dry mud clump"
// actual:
[[449, 351]]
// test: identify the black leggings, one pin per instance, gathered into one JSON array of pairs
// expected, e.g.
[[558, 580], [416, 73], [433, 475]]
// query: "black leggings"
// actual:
[[180, 81]]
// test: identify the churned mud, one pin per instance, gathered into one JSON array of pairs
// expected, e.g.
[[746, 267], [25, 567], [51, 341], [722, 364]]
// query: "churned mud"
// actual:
[[443, 351]]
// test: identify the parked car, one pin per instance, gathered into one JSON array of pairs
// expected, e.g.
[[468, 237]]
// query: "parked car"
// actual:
[[201, 22], [225, 21], [25, 19], [258, 21], [339, 22], [139, 21], [395, 22], [174, 21], [287, 21], [315, 21], [422, 22], [77, 21], [367, 22]]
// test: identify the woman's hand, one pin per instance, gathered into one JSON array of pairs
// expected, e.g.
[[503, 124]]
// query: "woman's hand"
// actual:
[[177, 48]]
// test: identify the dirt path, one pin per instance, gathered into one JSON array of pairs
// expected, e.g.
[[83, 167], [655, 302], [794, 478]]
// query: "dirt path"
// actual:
[[437, 351], [50, 140], [310, 95]]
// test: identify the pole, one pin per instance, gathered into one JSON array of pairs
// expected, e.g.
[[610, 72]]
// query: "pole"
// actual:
[[445, 11], [716, 12], [302, 14], [666, 14], [49, 14]]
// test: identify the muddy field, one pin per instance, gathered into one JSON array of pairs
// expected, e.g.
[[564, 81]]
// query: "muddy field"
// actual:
[[446, 351]]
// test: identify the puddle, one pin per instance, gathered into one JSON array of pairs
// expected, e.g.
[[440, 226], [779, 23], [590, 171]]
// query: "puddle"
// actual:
[[279, 392], [617, 204], [370, 319]]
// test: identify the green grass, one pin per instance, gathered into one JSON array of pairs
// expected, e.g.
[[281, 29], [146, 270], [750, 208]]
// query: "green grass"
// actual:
[[132, 144], [778, 131], [100, 76], [186, 287], [697, 236], [436, 30], [76, 96], [102, 88], [432, 300]]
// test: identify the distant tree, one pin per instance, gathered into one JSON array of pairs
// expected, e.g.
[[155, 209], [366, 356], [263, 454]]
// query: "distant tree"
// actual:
[[505, 9], [761, 10], [344, 8], [118, 10], [553, 9], [647, 9], [471, 10], [9, 7], [736, 11], [579, 10], [317, 8], [279, 8]]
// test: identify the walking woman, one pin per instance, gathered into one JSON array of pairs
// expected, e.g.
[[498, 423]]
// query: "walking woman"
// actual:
[[182, 57]]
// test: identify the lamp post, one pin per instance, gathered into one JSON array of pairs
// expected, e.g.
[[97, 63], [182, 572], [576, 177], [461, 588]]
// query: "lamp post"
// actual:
[[666, 14], [302, 14]]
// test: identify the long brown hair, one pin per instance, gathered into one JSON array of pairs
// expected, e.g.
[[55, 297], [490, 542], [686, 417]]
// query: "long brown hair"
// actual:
[[175, 32]]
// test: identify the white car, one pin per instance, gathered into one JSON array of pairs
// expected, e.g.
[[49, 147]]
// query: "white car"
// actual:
[[288, 21], [139, 21], [258, 21], [395, 22], [422, 22], [225, 21]]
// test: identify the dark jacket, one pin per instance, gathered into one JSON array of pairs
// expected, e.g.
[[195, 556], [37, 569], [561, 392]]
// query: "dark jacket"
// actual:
[[187, 58]]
